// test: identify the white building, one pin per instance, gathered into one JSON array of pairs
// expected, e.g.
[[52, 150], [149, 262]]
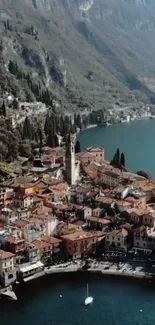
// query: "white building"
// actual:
[[7, 268]]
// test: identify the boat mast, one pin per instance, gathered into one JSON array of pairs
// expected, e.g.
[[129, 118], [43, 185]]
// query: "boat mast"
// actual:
[[87, 290]]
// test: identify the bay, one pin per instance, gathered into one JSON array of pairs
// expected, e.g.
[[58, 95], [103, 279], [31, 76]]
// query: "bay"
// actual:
[[116, 302], [135, 139]]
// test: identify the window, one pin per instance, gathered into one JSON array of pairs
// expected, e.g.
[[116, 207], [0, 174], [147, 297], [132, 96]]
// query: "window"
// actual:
[[118, 244], [144, 244], [107, 237], [137, 244], [118, 238], [112, 237], [100, 154], [145, 219]]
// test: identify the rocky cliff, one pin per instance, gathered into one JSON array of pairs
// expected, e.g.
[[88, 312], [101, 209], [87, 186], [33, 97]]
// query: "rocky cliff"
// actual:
[[83, 53]]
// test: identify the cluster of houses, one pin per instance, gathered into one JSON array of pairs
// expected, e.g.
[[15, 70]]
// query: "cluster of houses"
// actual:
[[76, 212]]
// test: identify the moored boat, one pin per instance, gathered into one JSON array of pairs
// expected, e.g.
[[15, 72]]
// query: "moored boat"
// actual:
[[8, 293]]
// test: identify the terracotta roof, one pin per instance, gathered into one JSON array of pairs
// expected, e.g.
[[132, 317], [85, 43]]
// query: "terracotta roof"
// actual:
[[50, 240], [118, 232], [141, 229], [20, 223], [130, 199], [42, 210], [84, 154], [99, 220], [106, 200], [79, 235], [40, 244], [14, 240], [4, 254], [123, 203], [83, 190], [37, 221], [137, 211]]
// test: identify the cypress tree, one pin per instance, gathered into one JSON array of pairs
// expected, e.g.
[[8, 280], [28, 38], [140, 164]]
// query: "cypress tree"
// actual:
[[3, 109], [77, 147], [118, 158], [15, 103], [56, 140], [51, 139], [27, 130], [40, 140], [47, 125], [78, 122], [122, 160]]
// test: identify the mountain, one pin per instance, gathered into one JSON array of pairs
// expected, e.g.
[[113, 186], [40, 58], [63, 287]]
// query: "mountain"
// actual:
[[85, 54]]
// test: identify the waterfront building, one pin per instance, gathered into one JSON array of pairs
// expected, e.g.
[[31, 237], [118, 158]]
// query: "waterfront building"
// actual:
[[29, 271], [144, 238], [117, 239], [44, 250], [79, 244], [7, 268], [17, 246], [31, 253], [56, 246]]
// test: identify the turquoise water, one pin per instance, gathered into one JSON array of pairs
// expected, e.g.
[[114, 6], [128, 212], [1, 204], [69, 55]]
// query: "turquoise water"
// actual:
[[135, 139], [116, 302]]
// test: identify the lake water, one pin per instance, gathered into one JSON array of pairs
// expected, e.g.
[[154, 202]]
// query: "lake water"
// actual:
[[116, 302], [135, 139]]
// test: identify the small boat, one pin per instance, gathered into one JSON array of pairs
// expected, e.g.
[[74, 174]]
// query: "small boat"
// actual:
[[8, 293], [89, 299]]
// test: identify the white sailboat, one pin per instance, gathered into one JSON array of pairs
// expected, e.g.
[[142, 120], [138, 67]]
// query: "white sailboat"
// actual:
[[89, 299]]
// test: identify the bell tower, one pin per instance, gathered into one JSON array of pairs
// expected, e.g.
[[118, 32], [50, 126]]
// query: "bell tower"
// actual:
[[70, 159]]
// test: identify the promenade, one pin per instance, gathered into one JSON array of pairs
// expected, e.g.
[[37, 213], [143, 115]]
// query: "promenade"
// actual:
[[105, 268]]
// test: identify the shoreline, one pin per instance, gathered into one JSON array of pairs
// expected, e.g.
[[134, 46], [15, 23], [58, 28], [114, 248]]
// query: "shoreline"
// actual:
[[92, 126], [104, 269]]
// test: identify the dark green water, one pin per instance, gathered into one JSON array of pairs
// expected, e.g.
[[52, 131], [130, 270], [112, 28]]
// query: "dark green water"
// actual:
[[136, 140], [116, 302]]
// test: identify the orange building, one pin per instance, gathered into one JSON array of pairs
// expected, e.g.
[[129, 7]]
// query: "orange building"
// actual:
[[79, 243]]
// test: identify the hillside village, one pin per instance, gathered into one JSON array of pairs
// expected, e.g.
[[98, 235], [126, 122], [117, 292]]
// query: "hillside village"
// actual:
[[73, 206]]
